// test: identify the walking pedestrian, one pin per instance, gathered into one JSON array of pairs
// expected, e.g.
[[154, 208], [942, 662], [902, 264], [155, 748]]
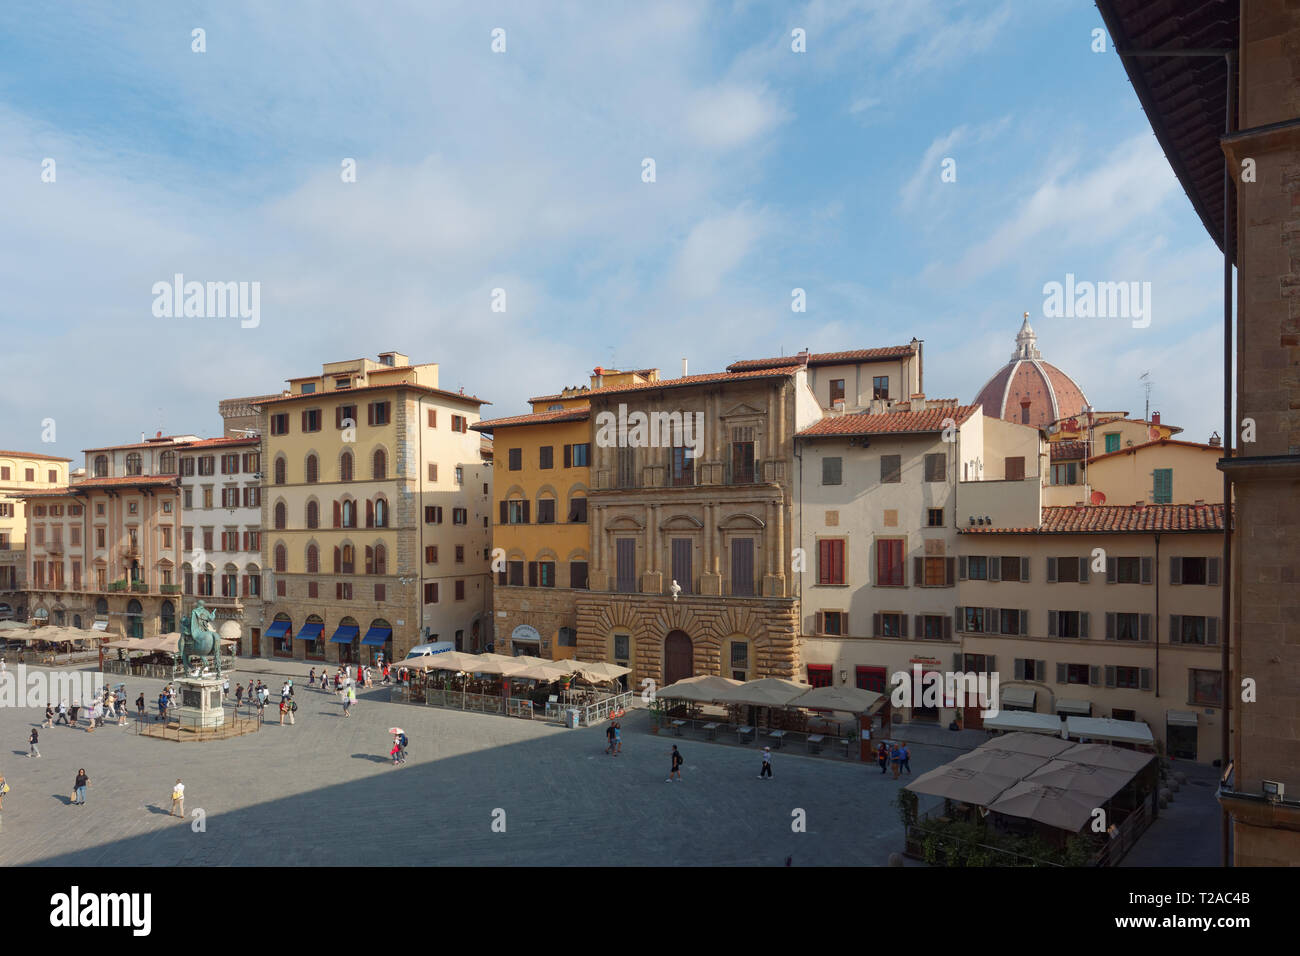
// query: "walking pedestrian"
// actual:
[[767, 764], [676, 771], [121, 708], [349, 698], [618, 738], [49, 716], [162, 706], [311, 677], [609, 738], [4, 788], [63, 714], [905, 757], [225, 687], [178, 798], [386, 669], [895, 759], [239, 695], [289, 710], [79, 787], [139, 706], [284, 709], [882, 756], [72, 713], [33, 750]]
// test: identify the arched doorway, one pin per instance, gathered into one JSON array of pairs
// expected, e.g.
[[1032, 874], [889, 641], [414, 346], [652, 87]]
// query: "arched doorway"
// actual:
[[168, 616], [679, 657], [134, 619]]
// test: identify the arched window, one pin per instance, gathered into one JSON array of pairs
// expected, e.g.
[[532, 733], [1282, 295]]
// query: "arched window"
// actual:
[[167, 466], [313, 559], [101, 466], [281, 559], [313, 514], [281, 468], [381, 559], [281, 516], [349, 514], [381, 513], [380, 469], [313, 470], [345, 467], [134, 619], [76, 621], [349, 560], [101, 607], [133, 463], [168, 615]]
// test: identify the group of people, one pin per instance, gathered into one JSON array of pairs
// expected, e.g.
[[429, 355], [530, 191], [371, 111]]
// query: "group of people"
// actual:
[[257, 695], [894, 755], [110, 704]]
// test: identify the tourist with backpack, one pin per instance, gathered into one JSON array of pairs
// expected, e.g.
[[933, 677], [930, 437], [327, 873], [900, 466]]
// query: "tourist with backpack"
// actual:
[[677, 766]]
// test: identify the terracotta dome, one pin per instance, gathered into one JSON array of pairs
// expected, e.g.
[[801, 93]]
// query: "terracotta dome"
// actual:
[[1028, 390]]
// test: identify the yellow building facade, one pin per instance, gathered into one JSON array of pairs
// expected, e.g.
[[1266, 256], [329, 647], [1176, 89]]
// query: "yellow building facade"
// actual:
[[21, 472]]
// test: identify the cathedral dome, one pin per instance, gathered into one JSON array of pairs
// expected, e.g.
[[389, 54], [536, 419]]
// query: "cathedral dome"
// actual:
[[1028, 390]]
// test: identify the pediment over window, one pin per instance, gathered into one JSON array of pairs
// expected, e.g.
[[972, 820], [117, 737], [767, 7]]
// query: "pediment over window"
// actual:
[[681, 523], [742, 522]]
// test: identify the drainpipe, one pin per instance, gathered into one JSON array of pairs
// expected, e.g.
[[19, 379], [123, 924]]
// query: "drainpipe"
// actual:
[[1155, 573]]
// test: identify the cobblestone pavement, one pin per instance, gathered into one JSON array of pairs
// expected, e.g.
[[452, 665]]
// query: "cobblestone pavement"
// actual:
[[322, 792]]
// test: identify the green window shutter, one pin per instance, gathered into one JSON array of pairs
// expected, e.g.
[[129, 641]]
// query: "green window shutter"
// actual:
[[1163, 486]]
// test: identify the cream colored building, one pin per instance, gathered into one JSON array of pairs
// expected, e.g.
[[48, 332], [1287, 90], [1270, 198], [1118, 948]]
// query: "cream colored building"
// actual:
[[376, 508], [21, 472]]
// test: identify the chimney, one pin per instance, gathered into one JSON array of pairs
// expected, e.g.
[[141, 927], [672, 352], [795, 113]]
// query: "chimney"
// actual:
[[1215, 440], [597, 377], [683, 368], [1155, 418]]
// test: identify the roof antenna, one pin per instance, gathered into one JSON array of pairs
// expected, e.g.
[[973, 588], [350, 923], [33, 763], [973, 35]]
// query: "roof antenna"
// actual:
[[1145, 379]]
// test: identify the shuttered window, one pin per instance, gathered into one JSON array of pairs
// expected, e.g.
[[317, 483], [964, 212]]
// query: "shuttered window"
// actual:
[[626, 561], [742, 567], [830, 561], [682, 550]]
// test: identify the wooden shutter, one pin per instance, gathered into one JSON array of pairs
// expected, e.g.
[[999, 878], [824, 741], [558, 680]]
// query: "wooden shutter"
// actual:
[[532, 574], [875, 625], [1094, 675], [1083, 570], [1144, 627], [1212, 571], [1040, 670], [1024, 570], [505, 513], [1024, 621], [370, 513], [949, 571], [1146, 570], [1211, 630], [1110, 675], [994, 565], [1051, 570], [1175, 628], [338, 515], [626, 558], [947, 628], [1110, 625], [959, 614], [568, 456], [992, 621], [918, 623], [817, 622], [742, 566], [683, 573], [990, 664], [1020, 669], [1051, 623], [1112, 570], [1083, 623], [1144, 678], [918, 571], [902, 625], [961, 568], [1175, 570], [1060, 673]]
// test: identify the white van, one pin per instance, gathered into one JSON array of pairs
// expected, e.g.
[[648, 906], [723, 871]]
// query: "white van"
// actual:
[[422, 650]]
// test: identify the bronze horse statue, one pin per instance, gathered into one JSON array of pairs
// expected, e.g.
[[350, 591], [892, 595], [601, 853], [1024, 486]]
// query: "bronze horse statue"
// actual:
[[199, 639]]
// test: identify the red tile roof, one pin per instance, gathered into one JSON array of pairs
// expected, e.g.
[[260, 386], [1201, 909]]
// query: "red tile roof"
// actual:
[[337, 392], [221, 442], [33, 455], [536, 418], [1066, 450], [140, 481], [689, 380], [825, 358], [1119, 519], [890, 423], [161, 441], [1159, 441]]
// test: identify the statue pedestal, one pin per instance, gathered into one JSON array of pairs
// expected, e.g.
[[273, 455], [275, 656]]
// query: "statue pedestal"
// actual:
[[200, 703]]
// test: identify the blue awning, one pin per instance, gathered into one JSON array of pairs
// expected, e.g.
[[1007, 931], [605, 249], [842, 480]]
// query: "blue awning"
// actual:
[[377, 635], [346, 634], [310, 632], [278, 629]]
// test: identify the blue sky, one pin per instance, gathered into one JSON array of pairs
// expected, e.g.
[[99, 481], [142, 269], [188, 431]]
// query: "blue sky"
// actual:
[[521, 170]]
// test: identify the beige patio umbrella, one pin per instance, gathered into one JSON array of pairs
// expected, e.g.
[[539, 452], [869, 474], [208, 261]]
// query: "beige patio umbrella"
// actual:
[[703, 689], [446, 661], [599, 670], [1005, 763], [1022, 720], [494, 664], [1105, 728], [1063, 809], [764, 692], [1103, 755], [543, 670], [847, 700], [966, 786], [1099, 782], [1027, 743]]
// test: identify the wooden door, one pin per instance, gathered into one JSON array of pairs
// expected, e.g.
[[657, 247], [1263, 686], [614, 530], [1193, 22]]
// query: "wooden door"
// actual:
[[257, 641], [679, 657]]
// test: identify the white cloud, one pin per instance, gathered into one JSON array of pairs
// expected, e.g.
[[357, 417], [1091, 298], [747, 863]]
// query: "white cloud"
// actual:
[[731, 115], [713, 248]]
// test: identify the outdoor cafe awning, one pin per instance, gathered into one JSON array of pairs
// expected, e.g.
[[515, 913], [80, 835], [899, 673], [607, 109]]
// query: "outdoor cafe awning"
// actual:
[[846, 700], [1181, 718], [377, 636], [1024, 720], [1027, 743], [1063, 809], [957, 783], [764, 692], [311, 631], [1104, 728], [345, 634], [277, 629], [1100, 782], [703, 689], [1104, 755], [493, 664], [598, 671], [1001, 763], [1019, 697], [1080, 708]]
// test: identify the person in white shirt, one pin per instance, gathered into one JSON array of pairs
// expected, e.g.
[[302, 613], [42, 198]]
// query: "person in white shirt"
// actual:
[[178, 799]]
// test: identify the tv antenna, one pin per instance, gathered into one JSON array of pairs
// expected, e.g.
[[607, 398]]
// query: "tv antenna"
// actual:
[[1145, 379]]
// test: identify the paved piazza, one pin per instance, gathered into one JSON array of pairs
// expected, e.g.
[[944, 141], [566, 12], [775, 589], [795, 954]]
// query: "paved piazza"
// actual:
[[323, 792]]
